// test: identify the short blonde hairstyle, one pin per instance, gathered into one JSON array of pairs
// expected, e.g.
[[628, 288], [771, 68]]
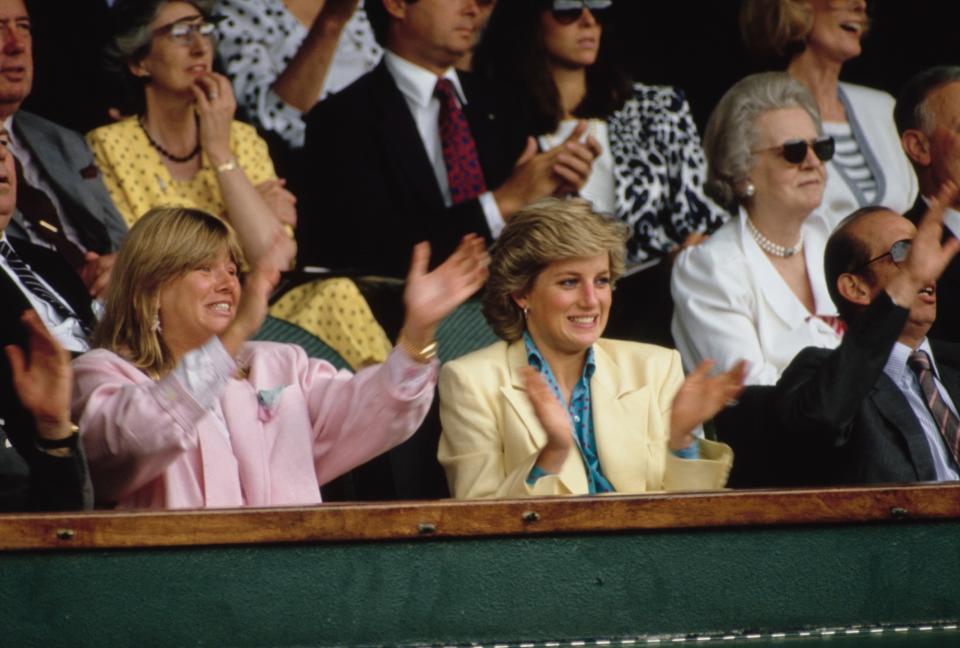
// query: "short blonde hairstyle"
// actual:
[[731, 133], [549, 230], [165, 244], [775, 27], [778, 27]]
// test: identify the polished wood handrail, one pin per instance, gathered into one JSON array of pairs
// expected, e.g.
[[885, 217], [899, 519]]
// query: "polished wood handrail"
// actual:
[[454, 519]]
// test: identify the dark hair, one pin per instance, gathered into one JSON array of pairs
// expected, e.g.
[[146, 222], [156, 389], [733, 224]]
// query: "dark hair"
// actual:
[[513, 52], [845, 252], [130, 41], [910, 113], [379, 19]]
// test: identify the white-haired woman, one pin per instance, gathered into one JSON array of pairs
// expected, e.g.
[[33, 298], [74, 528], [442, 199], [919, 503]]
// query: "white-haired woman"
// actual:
[[756, 289]]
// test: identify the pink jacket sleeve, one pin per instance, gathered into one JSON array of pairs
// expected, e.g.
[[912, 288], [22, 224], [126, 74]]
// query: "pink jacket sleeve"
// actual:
[[356, 417], [132, 427]]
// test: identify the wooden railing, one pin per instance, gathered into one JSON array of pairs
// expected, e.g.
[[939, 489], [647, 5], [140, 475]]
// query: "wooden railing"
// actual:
[[454, 519]]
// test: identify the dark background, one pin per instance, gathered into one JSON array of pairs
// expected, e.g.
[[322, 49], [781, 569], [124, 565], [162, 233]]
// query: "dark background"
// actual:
[[694, 45]]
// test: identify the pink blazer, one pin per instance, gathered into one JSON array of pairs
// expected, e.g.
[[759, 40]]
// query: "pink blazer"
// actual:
[[152, 445]]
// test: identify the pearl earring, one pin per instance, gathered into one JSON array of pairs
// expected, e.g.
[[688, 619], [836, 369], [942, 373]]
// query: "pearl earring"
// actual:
[[749, 190]]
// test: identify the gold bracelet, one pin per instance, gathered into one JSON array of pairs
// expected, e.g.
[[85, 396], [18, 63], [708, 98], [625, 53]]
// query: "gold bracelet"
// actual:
[[423, 356], [229, 165]]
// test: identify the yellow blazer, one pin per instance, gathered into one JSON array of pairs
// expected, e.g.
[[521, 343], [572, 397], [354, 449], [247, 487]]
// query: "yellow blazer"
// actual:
[[491, 437]]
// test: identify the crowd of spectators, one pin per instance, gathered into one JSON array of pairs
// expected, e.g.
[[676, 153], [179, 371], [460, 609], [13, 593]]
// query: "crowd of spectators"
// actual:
[[288, 159]]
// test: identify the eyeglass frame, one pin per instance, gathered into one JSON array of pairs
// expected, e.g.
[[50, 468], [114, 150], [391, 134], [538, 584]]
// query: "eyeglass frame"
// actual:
[[903, 246], [194, 29], [807, 145], [565, 16]]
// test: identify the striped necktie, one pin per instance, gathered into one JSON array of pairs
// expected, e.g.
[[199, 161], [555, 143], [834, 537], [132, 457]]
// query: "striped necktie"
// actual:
[[32, 283], [943, 416]]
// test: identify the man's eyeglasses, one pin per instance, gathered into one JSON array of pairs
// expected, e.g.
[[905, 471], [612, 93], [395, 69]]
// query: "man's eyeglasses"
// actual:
[[795, 151], [898, 254], [567, 12], [184, 32]]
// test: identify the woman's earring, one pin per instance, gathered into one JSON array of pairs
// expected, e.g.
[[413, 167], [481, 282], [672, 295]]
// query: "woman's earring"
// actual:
[[525, 311], [156, 324], [749, 190]]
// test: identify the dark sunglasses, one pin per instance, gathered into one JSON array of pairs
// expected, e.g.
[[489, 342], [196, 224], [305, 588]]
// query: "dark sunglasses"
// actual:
[[567, 12], [795, 151], [898, 254]]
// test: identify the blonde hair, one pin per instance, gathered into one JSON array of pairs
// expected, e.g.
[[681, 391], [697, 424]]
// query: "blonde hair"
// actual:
[[779, 27], [546, 231], [775, 27], [165, 244]]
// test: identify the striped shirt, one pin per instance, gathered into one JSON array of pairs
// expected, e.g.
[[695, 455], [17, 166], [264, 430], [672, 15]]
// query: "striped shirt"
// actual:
[[848, 157]]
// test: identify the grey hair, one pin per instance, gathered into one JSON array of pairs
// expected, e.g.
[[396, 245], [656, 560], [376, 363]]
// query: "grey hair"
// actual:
[[911, 111], [731, 132], [132, 34]]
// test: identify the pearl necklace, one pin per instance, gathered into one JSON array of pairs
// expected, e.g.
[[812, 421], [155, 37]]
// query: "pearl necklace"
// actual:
[[769, 246]]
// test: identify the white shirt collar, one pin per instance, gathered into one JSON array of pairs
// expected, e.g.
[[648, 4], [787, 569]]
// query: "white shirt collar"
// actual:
[[896, 367], [417, 83]]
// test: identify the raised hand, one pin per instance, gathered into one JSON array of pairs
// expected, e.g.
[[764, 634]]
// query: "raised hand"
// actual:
[[43, 380], [700, 397], [929, 255], [215, 106], [553, 418], [431, 296], [254, 298]]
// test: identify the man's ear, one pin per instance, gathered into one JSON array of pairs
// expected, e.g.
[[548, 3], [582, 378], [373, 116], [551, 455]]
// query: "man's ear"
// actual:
[[396, 8], [917, 146], [854, 288]]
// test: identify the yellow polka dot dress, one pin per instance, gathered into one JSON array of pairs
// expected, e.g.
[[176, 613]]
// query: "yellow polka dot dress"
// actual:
[[137, 180]]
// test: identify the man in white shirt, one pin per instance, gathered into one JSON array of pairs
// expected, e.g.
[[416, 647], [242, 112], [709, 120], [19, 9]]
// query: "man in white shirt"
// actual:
[[927, 115], [381, 171], [882, 407]]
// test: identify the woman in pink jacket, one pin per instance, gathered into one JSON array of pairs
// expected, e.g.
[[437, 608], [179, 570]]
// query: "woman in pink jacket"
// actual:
[[178, 410]]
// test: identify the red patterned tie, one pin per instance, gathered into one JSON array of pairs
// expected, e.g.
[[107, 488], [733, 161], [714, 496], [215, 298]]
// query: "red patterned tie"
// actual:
[[946, 421], [459, 150]]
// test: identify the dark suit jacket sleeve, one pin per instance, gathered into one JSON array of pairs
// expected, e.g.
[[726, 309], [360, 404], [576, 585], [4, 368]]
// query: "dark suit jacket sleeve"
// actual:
[[820, 393]]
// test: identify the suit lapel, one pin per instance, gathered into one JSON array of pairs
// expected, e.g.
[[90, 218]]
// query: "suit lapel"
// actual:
[[618, 413], [64, 180], [404, 148], [572, 474], [895, 409]]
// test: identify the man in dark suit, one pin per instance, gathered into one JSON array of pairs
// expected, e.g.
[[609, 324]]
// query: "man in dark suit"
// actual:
[[46, 308], [927, 115], [68, 195], [391, 161], [882, 407]]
